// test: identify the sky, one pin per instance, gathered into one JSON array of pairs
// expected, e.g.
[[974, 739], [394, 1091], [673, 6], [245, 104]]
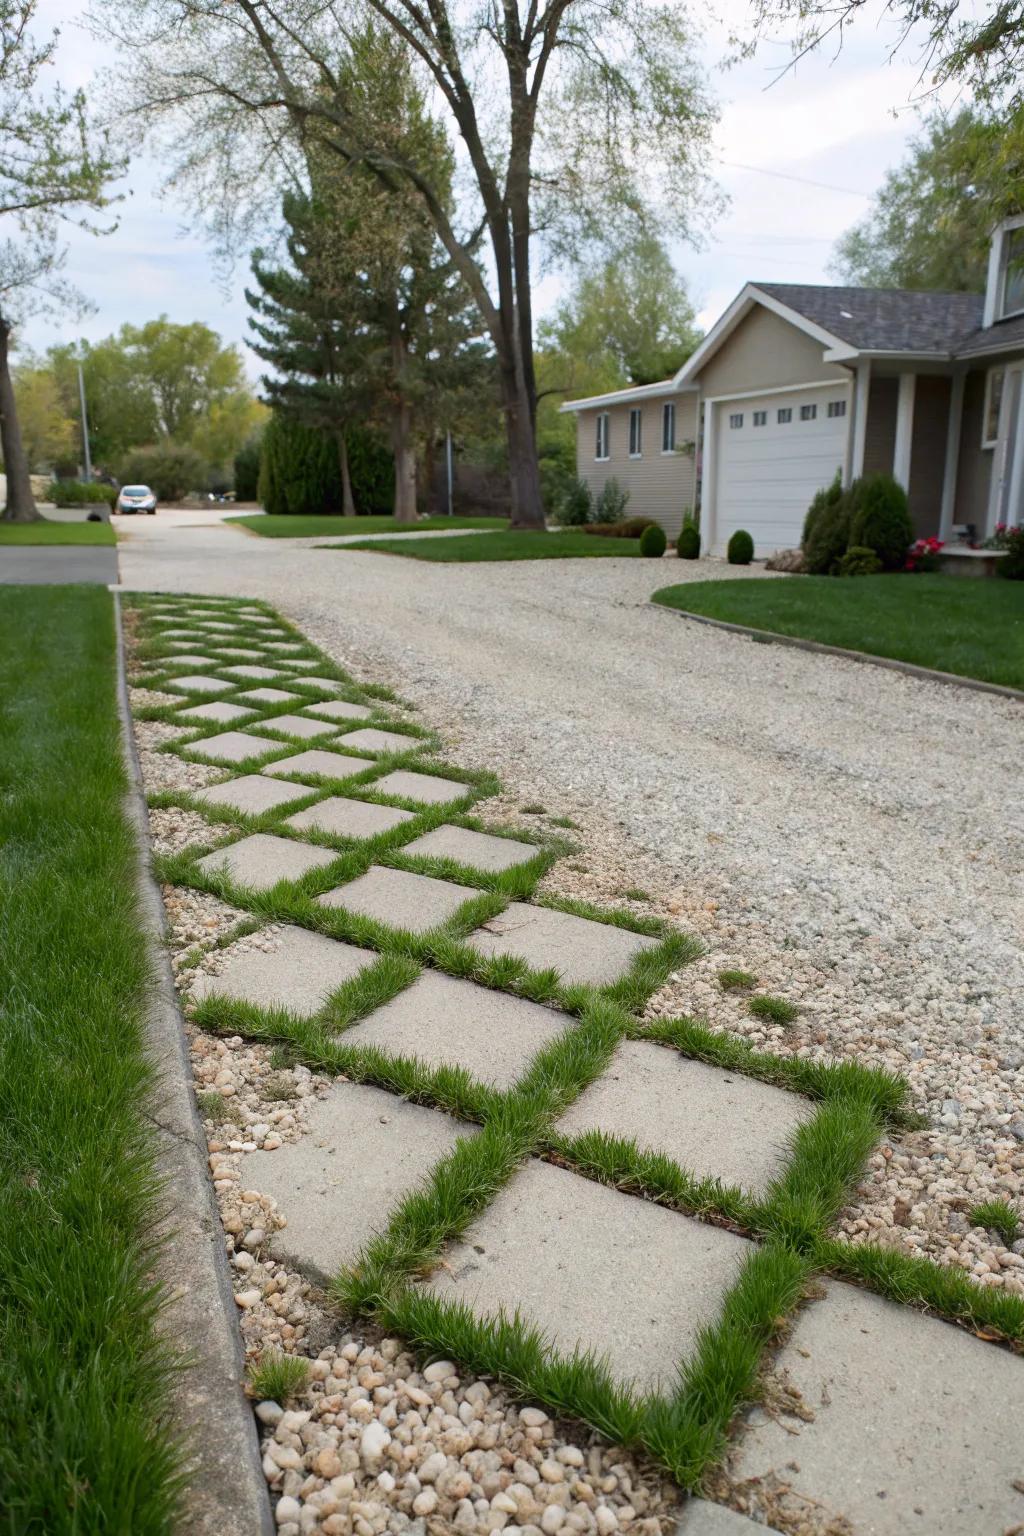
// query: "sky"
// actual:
[[798, 153]]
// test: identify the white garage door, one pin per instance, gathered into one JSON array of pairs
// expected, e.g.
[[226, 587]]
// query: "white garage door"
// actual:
[[772, 454]]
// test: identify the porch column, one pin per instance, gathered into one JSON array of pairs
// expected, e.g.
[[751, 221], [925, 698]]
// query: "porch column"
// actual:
[[956, 410], [859, 425], [707, 481], [904, 430]]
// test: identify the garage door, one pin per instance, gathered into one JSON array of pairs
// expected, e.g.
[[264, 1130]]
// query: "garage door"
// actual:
[[772, 454]]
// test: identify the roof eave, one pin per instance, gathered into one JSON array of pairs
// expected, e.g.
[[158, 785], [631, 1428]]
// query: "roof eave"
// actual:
[[625, 396]]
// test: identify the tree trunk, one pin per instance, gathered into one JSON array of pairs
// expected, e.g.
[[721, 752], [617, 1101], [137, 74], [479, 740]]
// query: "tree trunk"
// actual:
[[405, 464], [527, 510], [348, 506], [21, 506]]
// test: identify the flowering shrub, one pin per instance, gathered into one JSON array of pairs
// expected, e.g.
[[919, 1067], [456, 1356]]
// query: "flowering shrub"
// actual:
[[1001, 538], [1012, 565], [923, 555]]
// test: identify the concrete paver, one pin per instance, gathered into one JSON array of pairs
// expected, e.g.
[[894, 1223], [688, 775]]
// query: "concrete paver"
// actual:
[[299, 973], [402, 900], [262, 859], [299, 725], [712, 1123], [914, 1424], [234, 746], [251, 794], [580, 949], [370, 739], [191, 659], [701, 1518], [478, 850], [427, 788], [364, 1151], [349, 818], [590, 1266], [329, 765], [339, 709], [199, 683], [218, 709], [448, 1022], [268, 696], [254, 671]]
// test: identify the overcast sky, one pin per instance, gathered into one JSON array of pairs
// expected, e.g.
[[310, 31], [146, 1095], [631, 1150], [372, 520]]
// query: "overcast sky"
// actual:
[[798, 158]]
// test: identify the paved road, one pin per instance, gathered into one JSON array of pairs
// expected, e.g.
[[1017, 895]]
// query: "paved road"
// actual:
[[56, 564]]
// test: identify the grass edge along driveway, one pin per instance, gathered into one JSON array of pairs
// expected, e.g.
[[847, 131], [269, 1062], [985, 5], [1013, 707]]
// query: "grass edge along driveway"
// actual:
[[85, 1443], [523, 545], [47, 532], [973, 627], [281, 526]]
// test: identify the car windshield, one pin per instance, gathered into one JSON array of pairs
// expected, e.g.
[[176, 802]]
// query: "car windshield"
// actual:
[[136, 490]]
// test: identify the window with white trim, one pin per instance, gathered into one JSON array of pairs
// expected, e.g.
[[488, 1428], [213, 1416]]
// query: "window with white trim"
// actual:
[[994, 380], [760, 418], [736, 419], [636, 433], [783, 415], [837, 407], [808, 412], [1012, 285], [668, 427], [601, 449]]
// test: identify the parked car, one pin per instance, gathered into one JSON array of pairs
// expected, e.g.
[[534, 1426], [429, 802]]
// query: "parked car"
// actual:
[[135, 498]]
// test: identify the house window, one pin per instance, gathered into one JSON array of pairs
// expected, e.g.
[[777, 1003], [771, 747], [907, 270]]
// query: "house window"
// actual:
[[784, 415], [993, 400], [837, 407], [602, 436], [736, 420], [1013, 272], [760, 417], [808, 412], [635, 434], [668, 427]]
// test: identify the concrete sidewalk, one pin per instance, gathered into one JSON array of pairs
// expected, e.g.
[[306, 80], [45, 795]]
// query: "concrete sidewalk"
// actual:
[[57, 565]]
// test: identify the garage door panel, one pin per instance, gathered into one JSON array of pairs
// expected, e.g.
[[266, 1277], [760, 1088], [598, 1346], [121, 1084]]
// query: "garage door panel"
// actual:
[[766, 476]]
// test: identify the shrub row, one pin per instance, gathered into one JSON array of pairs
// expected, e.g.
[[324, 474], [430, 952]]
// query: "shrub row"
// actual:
[[857, 531], [80, 493], [629, 528]]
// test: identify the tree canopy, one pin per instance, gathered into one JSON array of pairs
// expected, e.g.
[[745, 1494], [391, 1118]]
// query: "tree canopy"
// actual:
[[931, 220]]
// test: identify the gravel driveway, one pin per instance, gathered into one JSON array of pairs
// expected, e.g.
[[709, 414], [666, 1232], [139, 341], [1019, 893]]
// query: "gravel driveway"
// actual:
[[853, 837]]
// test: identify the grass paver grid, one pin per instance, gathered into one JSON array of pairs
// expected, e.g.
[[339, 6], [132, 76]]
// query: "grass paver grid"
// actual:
[[788, 1214]]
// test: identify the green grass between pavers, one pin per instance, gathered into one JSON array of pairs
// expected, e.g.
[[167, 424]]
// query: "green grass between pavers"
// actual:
[[84, 1440], [504, 546], [790, 1224], [275, 526], [974, 628], [56, 533]]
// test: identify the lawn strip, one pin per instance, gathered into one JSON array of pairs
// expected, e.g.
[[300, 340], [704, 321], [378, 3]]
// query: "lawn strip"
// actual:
[[284, 526], [46, 532], [524, 545], [86, 1401]]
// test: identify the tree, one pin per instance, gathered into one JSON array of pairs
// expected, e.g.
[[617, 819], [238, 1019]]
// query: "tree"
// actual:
[[932, 219], [557, 102], [48, 433], [52, 162]]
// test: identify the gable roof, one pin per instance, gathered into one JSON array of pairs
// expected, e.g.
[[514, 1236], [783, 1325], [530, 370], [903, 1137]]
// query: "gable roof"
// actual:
[[884, 319], [631, 392]]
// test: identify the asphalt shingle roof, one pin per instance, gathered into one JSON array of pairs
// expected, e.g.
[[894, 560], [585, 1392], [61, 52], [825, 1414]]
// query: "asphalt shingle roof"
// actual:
[[888, 319]]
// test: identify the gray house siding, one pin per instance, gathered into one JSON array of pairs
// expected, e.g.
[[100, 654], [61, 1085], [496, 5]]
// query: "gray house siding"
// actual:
[[660, 485], [928, 452], [880, 432]]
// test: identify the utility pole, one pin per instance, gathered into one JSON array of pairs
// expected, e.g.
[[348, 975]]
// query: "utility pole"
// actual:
[[85, 424]]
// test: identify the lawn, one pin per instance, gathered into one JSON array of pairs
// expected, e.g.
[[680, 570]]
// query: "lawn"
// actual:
[[973, 627], [56, 533], [283, 527], [503, 546], [85, 1445]]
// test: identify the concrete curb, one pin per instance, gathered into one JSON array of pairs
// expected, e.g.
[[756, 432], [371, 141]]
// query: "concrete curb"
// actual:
[[769, 637], [227, 1493]]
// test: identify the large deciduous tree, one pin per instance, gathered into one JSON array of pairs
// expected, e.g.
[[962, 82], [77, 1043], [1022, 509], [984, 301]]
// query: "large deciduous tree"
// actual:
[[932, 219], [576, 118], [53, 165]]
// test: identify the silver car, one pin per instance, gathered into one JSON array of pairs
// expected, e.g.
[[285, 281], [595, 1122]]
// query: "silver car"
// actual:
[[135, 498]]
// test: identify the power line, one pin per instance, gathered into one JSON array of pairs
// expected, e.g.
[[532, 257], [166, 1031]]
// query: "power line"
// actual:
[[805, 181]]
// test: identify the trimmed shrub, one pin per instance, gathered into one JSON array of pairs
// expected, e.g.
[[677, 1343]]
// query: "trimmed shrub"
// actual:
[[371, 468], [575, 505], [859, 561], [170, 469], [688, 542], [80, 493], [556, 482], [822, 499], [740, 548], [1011, 566], [653, 542], [880, 519], [828, 538], [611, 505], [629, 528], [247, 471], [300, 474]]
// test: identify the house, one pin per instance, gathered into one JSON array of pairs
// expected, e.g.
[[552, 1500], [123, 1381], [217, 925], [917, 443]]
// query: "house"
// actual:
[[795, 382]]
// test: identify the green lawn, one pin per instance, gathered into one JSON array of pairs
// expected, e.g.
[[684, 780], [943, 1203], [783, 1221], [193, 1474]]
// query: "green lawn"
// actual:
[[85, 1445], [973, 627], [56, 533], [503, 546], [279, 527]]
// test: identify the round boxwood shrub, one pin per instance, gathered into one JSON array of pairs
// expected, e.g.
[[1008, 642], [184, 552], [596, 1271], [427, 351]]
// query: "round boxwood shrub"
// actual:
[[880, 519], [740, 548], [653, 542], [688, 542], [859, 561]]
